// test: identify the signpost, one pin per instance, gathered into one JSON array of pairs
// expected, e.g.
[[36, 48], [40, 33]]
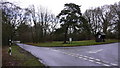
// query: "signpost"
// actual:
[[10, 49], [70, 40]]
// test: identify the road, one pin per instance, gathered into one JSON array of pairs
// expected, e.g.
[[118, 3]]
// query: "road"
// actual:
[[93, 55]]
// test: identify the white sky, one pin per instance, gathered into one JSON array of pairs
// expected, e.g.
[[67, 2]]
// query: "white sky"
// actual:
[[57, 5]]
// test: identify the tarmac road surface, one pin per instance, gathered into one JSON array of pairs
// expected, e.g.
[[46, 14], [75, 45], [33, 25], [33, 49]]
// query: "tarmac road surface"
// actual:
[[93, 55]]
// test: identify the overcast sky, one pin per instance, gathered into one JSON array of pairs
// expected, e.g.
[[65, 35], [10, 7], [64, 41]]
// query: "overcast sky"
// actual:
[[55, 6]]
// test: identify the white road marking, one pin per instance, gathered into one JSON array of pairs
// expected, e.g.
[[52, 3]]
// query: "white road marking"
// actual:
[[114, 64], [91, 60], [106, 65], [47, 48], [68, 54], [95, 51], [85, 58], [72, 55], [79, 57], [64, 53], [98, 61], [76, 56], [55, 50]]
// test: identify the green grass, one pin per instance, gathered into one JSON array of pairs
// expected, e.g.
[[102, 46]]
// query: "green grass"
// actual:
[[74, 43], [24, 58]]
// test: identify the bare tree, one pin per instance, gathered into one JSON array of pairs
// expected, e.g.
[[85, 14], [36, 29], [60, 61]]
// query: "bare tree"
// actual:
[[103, 18]]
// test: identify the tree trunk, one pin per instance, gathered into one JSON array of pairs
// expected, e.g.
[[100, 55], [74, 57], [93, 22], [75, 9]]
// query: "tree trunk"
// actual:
[[105, 25], [66, 29]]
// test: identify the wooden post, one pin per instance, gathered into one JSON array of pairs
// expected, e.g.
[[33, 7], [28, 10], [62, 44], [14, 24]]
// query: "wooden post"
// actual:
[[10, 49]]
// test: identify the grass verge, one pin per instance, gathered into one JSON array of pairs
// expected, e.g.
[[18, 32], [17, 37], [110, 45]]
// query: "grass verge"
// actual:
[[19, 57], [74, 43]]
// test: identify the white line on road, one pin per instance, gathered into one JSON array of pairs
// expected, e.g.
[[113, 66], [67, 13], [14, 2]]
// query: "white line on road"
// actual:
[[98, 59], [85, 58], [91, 59], [105, 64], [113, 64], [95, 51], [55, 50], [79, 57], [98, 62]]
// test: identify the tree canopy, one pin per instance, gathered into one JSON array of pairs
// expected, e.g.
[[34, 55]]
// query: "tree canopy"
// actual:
[[40, 25], [71, 19]]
